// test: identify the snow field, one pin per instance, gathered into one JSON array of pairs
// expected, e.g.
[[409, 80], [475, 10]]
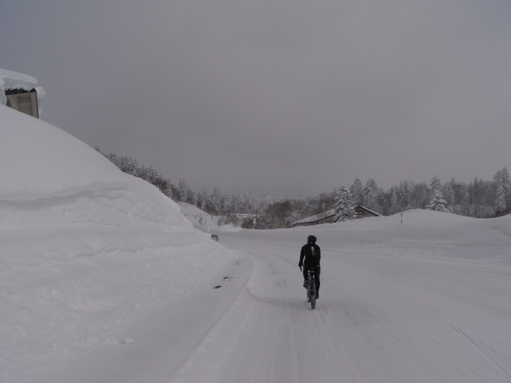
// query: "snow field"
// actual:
[[430, 311], [103, 279]]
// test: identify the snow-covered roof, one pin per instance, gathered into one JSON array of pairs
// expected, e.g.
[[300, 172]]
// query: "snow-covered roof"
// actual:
[[328, 214], [369, 210], [316, 217], [14, 80]]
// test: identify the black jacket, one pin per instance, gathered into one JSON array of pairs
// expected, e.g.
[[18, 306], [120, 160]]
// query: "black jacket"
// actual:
[[310, 255]]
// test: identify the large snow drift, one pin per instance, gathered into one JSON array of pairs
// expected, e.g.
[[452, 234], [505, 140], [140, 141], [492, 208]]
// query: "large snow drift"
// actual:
[[84, 248]]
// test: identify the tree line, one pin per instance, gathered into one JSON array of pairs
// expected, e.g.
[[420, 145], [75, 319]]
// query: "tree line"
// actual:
[[479, 198]]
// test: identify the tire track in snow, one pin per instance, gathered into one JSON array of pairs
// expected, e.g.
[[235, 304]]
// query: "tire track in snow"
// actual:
[[378, 319], [480, 348]]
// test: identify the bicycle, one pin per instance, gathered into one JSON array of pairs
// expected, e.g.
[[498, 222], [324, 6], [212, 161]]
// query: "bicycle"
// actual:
[[311, 288]]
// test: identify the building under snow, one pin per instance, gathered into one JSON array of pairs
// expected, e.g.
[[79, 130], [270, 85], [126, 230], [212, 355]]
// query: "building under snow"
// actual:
[[330, 215], [20, 91]]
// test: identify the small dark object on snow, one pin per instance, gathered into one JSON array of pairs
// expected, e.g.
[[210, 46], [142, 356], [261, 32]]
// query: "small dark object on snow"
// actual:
[[214, 237]]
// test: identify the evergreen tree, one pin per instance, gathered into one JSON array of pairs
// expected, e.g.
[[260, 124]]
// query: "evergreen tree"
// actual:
[[435, 184], [420, 196], [460, 197], [277, 215], [125, 164], [227, 204], [370, 194], [436, 200], [183, 190], [215, 199], [449, 195], [343, 205], [357, 191], [168, 190], [394, 207], [404, 194], [148, 174], [507, 183], [193, 198], [502, 185]]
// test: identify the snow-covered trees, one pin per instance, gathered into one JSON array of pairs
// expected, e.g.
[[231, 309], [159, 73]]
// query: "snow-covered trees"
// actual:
[[394, 206], [448, 194], [357, 191], [126, 164], [183, 189], [482, 199], [370, 194], [343, 204], [404, 194], [502, 185], [436, 199], [437, 202], [130, 166], [277, 215], [227, 204]]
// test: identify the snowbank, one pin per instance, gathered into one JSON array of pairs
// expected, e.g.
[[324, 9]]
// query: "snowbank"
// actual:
[[414, 234], [85, 249], [50, 178]]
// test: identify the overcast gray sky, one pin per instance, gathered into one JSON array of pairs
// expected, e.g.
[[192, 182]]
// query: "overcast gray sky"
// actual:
[[279, 97]]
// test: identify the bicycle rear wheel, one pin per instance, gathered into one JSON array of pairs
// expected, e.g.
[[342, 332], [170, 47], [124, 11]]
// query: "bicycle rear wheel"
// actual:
[[311, 293]]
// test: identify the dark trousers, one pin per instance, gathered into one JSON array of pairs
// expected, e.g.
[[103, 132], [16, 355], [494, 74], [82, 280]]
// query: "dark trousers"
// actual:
[[306, 275]]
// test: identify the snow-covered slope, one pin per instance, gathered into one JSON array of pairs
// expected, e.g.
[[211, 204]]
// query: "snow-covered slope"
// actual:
[[49, 178], [412, 234], [426, 300], [85, 249]]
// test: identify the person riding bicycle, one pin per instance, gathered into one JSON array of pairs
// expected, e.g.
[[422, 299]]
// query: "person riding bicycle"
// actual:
[[310, 256]]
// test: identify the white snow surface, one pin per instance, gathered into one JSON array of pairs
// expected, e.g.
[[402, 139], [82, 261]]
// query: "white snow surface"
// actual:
[[85, 250], [102, 279]]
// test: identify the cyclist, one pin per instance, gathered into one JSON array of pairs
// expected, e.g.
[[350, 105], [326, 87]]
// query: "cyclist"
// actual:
[[310, 256]]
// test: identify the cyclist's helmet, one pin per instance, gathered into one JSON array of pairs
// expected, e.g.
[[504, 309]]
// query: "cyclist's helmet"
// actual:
[[311, 239]]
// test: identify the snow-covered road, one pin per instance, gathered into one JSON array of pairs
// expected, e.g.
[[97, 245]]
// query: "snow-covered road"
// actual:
[[379, 319], [390, 310]]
